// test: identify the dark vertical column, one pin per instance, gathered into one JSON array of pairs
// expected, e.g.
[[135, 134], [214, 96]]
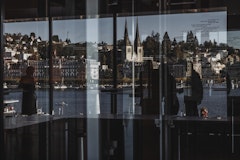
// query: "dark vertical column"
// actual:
[[49, 124], [2, 153], [141, 84], [43, 141], [114, 94], [163, 4], [149, 79], [50, 57], [42, 151]]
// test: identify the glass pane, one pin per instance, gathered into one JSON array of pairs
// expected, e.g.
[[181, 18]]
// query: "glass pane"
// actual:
[[195, 49], [84, 60], [197, 52], [26, 44], [69, 54], [126, 79]]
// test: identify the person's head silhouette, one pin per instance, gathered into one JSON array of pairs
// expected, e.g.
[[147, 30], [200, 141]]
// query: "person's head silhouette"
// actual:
[[30, 70]]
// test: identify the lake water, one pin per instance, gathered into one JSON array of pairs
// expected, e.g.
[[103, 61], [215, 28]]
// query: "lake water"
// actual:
[[74, 102]]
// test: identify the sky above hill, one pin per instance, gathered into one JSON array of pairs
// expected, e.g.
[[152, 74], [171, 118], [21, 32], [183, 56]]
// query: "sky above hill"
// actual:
[[205, 25]]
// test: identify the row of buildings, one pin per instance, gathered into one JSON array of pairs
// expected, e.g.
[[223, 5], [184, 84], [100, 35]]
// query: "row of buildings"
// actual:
[[70, 67]]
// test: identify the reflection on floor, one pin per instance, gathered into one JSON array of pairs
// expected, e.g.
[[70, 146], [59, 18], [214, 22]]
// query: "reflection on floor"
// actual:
[[124, 137]]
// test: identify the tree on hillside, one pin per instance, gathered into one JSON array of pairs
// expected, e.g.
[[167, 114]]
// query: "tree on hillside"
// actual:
[[151, 44]]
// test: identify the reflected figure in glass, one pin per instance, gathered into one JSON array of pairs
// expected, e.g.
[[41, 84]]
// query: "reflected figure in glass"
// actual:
[[170, 94], [27, 83], [193, 93]]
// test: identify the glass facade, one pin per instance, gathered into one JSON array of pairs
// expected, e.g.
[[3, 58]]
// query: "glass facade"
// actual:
[[120, 79]]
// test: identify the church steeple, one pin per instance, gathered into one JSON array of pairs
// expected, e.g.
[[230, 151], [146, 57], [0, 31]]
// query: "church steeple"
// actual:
[[127, 43], [126, 37], [166, 44], [137, 41], [138, 48]]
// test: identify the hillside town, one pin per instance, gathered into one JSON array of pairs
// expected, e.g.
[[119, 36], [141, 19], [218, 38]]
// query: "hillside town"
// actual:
[[71, 61]]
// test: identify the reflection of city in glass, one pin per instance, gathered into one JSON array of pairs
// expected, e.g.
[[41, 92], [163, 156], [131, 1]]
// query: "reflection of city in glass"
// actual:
[[201, 30], [200, 38]]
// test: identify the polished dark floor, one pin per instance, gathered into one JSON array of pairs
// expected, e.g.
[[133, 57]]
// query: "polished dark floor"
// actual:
[[121, 137]]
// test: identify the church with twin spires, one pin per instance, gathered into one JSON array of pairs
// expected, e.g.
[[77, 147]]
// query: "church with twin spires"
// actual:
[[132, 52]]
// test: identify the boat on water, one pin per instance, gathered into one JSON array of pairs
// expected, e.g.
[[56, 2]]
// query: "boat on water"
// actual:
[[9, 109], [61, 86], [10, 101], [12, 86], [37, 85], [5, 85], [56, 87]]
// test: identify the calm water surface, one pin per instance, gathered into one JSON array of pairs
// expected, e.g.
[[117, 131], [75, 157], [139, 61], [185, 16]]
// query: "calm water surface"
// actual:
[[74, 102]]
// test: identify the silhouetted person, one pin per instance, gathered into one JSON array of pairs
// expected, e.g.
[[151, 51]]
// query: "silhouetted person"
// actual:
[[228, 82], [27, 83], [168, 89], [195, 94], [170, 92]]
